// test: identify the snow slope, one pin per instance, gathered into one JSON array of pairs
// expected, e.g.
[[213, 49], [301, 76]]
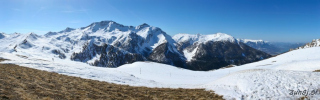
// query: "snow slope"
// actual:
[[272, 78]]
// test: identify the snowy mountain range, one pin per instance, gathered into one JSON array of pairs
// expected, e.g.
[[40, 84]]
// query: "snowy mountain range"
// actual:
[[109, 44], [274, 78]]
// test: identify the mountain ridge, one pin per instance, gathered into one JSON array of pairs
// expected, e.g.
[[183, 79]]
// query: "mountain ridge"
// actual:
[[313, 43], [139, 43]]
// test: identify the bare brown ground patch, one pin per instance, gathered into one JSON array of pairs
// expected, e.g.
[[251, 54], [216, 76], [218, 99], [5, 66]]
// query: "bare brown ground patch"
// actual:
[[24, 83], [317, 70]]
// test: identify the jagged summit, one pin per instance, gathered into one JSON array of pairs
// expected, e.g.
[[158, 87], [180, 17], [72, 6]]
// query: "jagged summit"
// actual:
[[109, 26], [143, 26], [68, 29], [103, 23], [313, 43], [112, 28], [32, 36]]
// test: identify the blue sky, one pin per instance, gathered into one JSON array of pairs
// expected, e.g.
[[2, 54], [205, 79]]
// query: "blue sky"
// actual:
[[271, 20]]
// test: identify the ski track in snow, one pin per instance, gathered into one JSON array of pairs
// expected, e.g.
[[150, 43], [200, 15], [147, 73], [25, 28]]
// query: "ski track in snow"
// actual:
[[272, 78]]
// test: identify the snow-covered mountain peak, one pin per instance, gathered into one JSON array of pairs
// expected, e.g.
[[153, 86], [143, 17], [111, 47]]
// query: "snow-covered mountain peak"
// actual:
[[107, 26], [68, 29], [218, 37], [50, 34], [182, 37], [32, 36], [31, 33], [199, 48], [103, 23], [198, 34], [143, 26], [16, 33], [222, 34]]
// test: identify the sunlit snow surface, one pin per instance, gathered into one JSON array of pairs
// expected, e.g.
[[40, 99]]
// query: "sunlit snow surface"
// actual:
[[272, 78], [181, 37]]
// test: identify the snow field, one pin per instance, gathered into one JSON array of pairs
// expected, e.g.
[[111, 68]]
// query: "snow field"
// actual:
[[272, 78]]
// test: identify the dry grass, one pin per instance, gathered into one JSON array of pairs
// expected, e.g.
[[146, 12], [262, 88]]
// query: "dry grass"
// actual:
[[304, 98], [229, 66], [317, 70], [1, 59], [18, 83], [22, 56]]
